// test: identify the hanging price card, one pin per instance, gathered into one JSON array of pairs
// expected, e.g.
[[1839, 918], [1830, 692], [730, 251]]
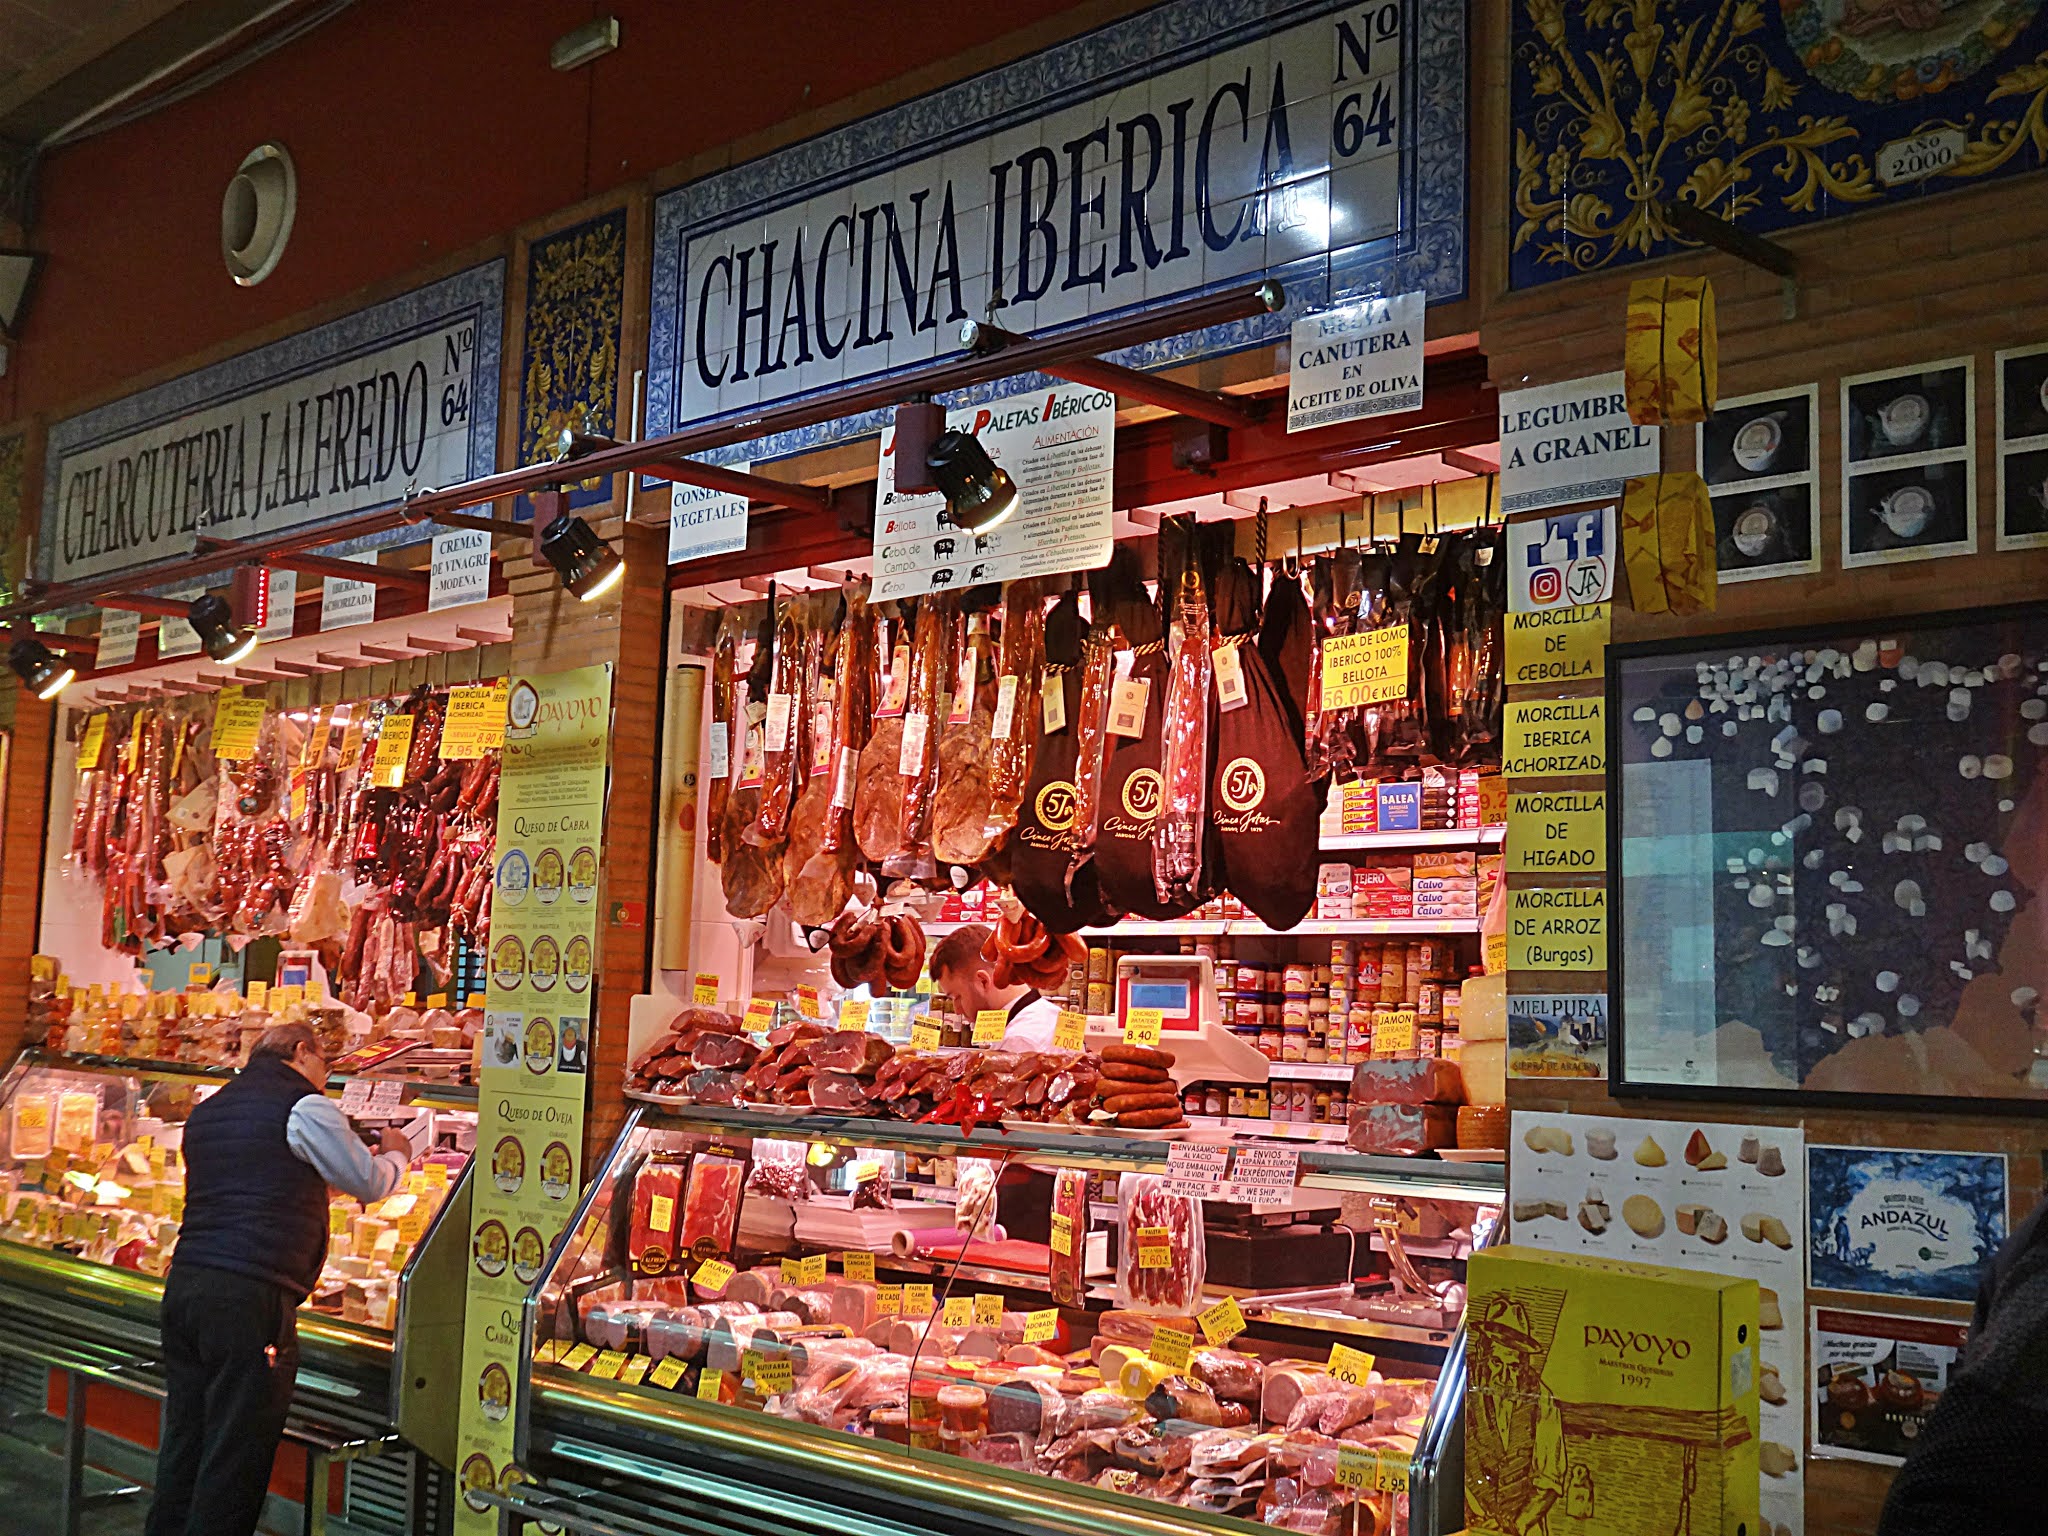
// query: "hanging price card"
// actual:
[[1142, 1026], [394, 744], [1171, 1347], [1071, 1030], [710, 1385], [1063, 1235], [236, 722], [704, 989], [475, 722], [1154, 1248], [1039, 1327], [858, 1266], [94, 742], [668, 1372], [1351, 1366], [1370, 668], [917, 1301], [1222, 1322], [959, 1312], [714, 1274], [990, 1025], [988, 1309]]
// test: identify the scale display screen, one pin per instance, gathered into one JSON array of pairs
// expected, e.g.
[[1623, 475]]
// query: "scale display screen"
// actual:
[[1166, 996]]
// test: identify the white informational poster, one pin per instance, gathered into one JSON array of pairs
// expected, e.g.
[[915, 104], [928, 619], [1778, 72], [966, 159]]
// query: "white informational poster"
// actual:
[[174, 637], [1725, 1199], [462, 569], [282, 608], [344, 602], [1362, 360], [119, 632], [1570, 442], [1059, 445], [705, 522], [1566, 561]]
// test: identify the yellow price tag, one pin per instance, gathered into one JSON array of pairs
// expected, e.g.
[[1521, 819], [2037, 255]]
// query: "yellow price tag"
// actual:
[[917, 1301], [636, 1370], [1172, 1348], [237, 721], [92, 743], [1355, 1467], [713, 1274], [259, 993], [858, 1266], [1154, 1248], [1368, 668], [1351, 1366], [198, 974], [1063, 1235], [337, 1220], [667, 1372], [770, 1377], [1071, 1031], [924, 1036], [1222, 1322], [475, 722], [710, 1385], [990, 1025], [792, 1271], [888, 1300], [853, 1013], [1041, 1326], [286, 997], [988, 1310], [811, 1270], [759, 1017], [394, 745], [1142, 1026], [704, 991], [1393, 1031], [959, 1312], [807, 1001], [579, 1357]]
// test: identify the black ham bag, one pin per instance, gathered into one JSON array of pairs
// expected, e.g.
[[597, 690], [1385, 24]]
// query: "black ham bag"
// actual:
[[1042, 844]]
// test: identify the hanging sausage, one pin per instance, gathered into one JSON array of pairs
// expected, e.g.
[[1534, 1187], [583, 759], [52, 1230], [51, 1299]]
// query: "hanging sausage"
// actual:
[[1178, 872], [1013, 734], [718, 771]]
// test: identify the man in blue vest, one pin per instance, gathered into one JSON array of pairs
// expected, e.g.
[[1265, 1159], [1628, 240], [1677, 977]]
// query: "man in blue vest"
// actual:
[[259, 1156]]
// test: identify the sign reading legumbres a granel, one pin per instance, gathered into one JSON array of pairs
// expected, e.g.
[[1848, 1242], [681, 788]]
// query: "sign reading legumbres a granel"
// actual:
[[1189, 148], [335, 420]]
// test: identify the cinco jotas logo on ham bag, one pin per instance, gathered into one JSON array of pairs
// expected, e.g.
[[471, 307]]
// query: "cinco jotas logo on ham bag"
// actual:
[[1054, 807], [1241, 786]]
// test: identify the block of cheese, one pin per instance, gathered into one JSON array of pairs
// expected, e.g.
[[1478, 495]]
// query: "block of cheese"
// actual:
[[1112, 1358], [1485, 1065], [386, 1251], [1483, 1008]]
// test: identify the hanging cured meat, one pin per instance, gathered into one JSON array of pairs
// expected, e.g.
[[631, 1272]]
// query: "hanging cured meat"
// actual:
[[852, 715], [786, 723], [1042, 845], [918, 758], [960, 833], [1129, 799], [751, 876], [878, 800], [1178, 874], [718, 771], [1264, 810], [1013, 734], [1476, 666]]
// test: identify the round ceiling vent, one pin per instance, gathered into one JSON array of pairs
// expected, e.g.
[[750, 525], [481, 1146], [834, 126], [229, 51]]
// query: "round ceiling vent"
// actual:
[[256, 214]]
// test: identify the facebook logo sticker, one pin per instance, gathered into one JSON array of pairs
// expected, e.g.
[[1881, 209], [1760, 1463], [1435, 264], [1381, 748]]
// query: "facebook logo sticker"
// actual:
[[1561, 561]]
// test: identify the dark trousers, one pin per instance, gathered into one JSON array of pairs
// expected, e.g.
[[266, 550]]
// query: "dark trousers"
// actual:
[[231, 1356]]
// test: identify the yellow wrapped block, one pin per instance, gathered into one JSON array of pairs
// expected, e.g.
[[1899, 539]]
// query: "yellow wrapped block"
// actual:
[[1670, 356], [1667, 544]]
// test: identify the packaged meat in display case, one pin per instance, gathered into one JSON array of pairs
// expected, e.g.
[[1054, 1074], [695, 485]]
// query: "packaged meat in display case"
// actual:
[[1079, 1339]]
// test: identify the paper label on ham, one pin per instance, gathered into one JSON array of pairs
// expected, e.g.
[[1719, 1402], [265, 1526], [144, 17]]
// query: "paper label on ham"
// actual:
[[843, 781], [1127, 707], [753, 760], [899, 681], [916, 730], [777, 724], [962, 708], [1052, 694], [1230, 692], [721, 749], [1006, 709], [821, 738]]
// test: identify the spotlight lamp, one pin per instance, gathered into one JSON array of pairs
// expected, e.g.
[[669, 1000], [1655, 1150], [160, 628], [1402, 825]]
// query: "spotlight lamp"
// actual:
[[588, 566], [219, 635], [979, 492], [46, 673]]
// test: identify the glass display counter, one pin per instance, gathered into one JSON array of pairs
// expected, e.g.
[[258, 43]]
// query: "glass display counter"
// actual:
[[1033, 1327], [92, 1193]]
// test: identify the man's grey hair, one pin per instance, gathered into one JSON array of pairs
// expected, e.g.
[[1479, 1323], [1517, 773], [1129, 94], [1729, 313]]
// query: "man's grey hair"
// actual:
[[283, 1041]]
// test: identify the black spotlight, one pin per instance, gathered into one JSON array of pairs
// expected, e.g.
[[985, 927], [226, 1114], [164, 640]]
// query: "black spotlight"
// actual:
[[979, 492], [219, 635], [46, 673], [588, 566]]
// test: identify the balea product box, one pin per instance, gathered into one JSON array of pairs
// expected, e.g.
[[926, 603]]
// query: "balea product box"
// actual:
[[1608, 1398]]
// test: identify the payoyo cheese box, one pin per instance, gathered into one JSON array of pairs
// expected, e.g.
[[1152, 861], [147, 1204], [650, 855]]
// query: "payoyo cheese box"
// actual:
[[1608, 1398]]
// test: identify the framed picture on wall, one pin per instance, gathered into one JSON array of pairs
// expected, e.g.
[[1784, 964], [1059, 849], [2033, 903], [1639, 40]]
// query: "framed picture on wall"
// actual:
[[1908, 463], [2023, 448], [1758, 457], [1834, 889]]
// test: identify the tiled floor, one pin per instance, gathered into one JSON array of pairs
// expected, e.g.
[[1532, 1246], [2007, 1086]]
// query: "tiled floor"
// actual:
[[31, 1476]]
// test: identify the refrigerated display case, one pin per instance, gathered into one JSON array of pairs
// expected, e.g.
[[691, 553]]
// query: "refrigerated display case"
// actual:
[[92, 1192], [1055, 1371]]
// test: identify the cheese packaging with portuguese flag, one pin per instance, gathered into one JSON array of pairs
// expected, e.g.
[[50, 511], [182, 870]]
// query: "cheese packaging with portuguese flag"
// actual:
[[1609, 1398]]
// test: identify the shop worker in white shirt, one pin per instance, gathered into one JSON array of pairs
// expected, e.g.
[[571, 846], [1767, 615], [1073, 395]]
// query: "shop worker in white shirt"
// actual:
[[959, 971], [259, 1157]]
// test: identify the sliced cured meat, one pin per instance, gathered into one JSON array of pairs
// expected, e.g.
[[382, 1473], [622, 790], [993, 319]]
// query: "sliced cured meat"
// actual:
[[724, 1051], [852, 1051]]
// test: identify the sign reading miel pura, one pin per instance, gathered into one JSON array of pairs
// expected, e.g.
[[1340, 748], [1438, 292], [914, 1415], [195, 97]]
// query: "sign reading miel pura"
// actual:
[[334, 420], [1184, 149]]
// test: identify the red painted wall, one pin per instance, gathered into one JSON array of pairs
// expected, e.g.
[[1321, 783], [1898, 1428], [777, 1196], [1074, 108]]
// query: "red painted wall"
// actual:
[[419, 130]]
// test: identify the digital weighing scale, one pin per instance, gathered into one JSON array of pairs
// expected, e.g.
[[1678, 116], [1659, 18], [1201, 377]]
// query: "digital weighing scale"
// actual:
[[1183, 989]]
